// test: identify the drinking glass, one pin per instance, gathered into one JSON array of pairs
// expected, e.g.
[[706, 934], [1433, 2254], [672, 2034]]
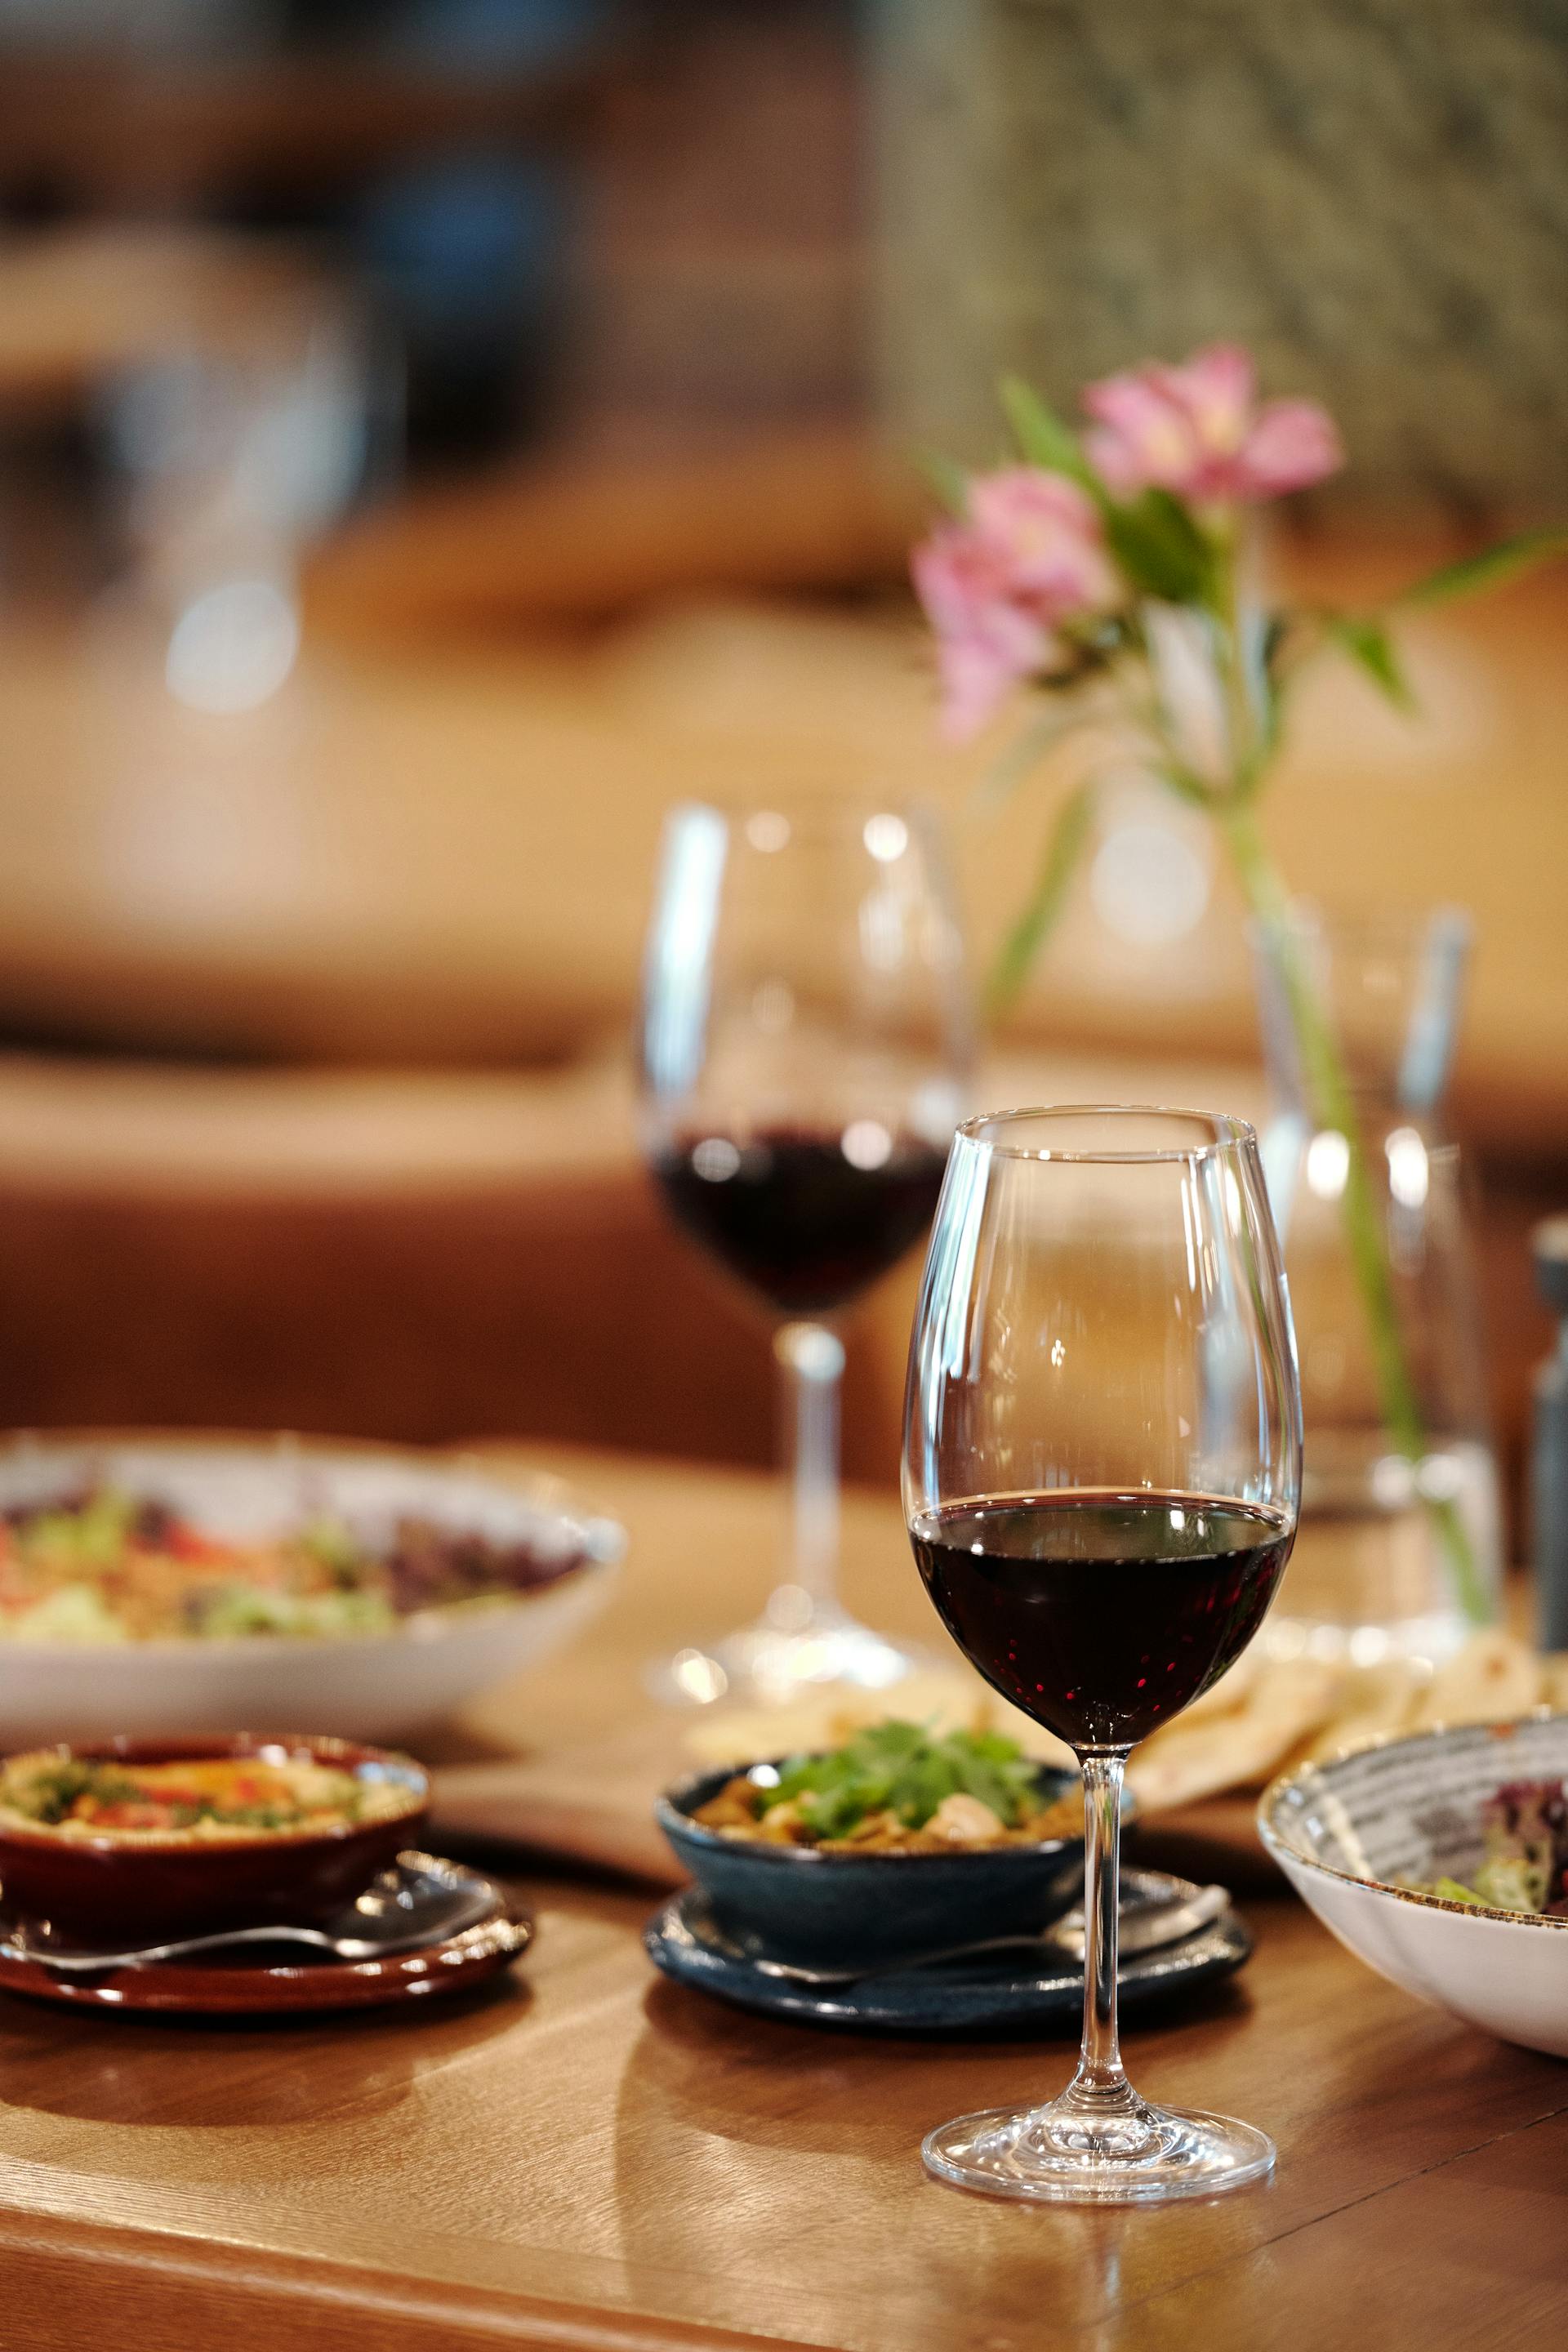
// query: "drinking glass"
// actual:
[[1102, 1475], [805, 1035]]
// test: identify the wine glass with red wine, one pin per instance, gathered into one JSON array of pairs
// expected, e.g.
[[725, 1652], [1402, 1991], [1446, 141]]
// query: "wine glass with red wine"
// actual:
[[805, 1038], [1102, 1475]]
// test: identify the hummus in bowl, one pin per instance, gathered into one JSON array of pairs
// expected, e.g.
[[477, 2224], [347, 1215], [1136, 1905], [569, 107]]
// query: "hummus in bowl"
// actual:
[[162, 1838]]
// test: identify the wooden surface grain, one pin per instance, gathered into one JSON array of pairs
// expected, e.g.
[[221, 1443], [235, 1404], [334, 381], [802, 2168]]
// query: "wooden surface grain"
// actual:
[[590, 2158]]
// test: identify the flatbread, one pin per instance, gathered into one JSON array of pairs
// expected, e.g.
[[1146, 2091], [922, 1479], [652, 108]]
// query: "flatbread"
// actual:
[[1288, 1698], [946, 1702], [1492, 1679], [1232, 1689], [1374, 1702], [1265, 1714]]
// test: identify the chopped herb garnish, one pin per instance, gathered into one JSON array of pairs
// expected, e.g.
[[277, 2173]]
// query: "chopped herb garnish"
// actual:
[[899, 1767]]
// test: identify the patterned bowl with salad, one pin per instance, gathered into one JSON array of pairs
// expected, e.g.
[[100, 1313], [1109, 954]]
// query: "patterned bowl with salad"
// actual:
[[1441, 1860]]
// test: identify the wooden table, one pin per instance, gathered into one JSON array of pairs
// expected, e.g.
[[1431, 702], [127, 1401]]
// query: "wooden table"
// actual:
[[590, 2158]]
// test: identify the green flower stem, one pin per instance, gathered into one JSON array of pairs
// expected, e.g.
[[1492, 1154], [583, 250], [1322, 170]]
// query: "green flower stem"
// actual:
[[1241, 718], [1066, 846], [1333, 1105]]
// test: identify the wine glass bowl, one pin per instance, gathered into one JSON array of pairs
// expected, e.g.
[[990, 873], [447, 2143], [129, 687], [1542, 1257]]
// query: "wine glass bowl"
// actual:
[[1101, 1482], [805, 1218], [804, 1040]]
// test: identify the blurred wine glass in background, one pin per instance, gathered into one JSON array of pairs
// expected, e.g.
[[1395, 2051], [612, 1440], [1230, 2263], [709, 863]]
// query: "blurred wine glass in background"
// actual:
[[234, 449], [805, 1040]]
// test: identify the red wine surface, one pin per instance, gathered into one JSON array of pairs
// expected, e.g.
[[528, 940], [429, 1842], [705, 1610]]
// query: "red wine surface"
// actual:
[[1101, 1615], [795, 1216]]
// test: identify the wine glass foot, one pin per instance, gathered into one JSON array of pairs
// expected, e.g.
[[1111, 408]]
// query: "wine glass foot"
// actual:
[[1054, 2155], [767, 1664]]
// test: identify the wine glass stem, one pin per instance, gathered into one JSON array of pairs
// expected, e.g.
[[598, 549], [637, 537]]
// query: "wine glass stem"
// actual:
[[811, 1359], [1099, 2086]]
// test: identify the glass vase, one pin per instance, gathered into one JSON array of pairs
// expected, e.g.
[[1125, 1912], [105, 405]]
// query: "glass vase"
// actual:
[[1400, 1548]]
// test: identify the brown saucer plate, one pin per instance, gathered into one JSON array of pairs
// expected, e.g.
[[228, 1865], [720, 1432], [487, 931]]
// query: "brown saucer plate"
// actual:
[[209, 1988]]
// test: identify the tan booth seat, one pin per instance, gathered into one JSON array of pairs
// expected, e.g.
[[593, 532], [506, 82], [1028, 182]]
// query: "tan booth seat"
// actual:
[[409, 1256], [425, 1258], [446, 855]]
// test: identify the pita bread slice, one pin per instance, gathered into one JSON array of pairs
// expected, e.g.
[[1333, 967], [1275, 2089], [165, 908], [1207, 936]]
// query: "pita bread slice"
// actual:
[[1554, 1675], [1232, 1689], [1374, 1702], [1290, 1698], [1492, 1679], [945, 1701]]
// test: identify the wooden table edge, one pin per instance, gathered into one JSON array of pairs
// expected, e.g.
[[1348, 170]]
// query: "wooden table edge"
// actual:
[[189, 2290]]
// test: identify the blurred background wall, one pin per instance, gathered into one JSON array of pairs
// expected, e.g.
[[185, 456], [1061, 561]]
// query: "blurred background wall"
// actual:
[[434, 435], [1373, 197]]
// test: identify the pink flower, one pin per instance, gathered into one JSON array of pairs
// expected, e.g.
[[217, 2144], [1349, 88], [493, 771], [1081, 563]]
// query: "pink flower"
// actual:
[[986, 643], [1198, 430], [996, 588], [1050, 534]]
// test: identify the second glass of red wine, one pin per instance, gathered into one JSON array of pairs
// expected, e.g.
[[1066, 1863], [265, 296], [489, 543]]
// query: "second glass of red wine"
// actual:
[[1102, 1475], [806, 1042]]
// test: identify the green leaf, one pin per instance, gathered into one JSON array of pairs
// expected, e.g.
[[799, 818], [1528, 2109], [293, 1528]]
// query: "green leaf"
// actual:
[[1162, 550], [947, 478], [1023, 943], [1369, 644], [898, 1766], [1472, 575], [1042, 438]]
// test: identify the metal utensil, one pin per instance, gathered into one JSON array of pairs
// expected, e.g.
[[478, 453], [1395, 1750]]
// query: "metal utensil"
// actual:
[[1145, 1930], [421, 1900]]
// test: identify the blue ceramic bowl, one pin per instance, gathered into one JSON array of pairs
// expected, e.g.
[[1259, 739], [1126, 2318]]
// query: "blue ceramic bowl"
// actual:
[[848, 1909]]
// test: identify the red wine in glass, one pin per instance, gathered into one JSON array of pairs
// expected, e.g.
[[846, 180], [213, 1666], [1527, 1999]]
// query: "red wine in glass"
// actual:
[[805, 1041], [1102, 1615], [1102, 1475], [808, 1219]]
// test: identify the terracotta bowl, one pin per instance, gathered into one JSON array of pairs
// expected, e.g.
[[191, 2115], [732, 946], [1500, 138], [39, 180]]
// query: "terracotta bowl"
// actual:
[[107, 1891]]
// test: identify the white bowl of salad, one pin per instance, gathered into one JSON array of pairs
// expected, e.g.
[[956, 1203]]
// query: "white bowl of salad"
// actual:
[[1442, 1862], [195, 1585]]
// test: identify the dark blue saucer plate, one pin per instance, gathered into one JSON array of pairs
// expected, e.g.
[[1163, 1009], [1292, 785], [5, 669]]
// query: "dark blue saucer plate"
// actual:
[[1002, 1991]]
